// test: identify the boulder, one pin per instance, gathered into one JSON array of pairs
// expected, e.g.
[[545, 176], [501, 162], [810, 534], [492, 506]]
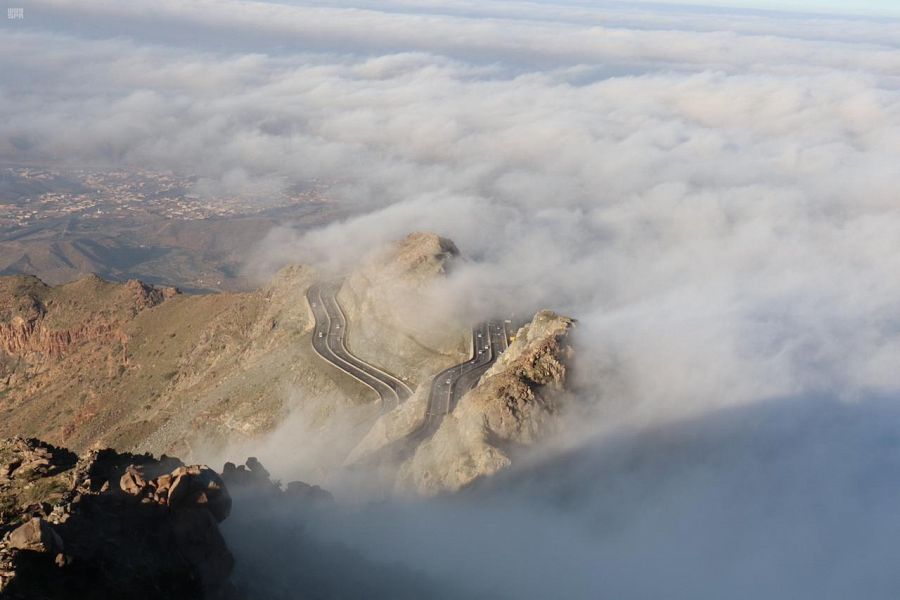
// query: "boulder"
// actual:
[[132, 481], [36, 535], [199, 486], [256, 468]]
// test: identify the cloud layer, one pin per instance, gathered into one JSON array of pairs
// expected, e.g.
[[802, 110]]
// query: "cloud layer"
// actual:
[[713, 194]]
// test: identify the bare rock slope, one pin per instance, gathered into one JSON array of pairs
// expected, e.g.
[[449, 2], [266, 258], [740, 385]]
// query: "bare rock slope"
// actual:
[[515, 404], [397, 311], [136, 367]]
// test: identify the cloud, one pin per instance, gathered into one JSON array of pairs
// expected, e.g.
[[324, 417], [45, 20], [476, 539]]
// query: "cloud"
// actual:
[[713, 194]]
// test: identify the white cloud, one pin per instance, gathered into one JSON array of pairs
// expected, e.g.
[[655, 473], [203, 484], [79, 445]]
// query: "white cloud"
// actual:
[[713, 195]]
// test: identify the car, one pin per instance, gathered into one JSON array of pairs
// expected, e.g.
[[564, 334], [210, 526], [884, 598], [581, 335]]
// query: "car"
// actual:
[[447, 382], [321, 334]]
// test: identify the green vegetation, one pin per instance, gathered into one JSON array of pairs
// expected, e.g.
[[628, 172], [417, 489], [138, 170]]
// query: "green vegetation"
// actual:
[[46, 489]]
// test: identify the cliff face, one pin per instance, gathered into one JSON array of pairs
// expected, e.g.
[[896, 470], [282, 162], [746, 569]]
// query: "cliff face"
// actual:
[[40, 322]]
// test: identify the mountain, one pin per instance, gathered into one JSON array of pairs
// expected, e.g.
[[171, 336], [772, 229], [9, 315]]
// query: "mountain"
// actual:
[[149, 369], [513, 404]]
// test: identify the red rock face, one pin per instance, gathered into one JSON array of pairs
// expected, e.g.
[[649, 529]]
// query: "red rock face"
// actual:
[[27, 331], [16, 335], [27, 337]]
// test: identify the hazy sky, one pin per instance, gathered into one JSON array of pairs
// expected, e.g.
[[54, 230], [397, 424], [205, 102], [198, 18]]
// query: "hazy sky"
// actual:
[[865, 7]]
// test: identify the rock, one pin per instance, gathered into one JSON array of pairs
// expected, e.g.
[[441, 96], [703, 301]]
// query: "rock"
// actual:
[[198, 540], [62, 560], [398, 314], [199, 486], [256, 467], [311, 494], [132, 482], [8, 469], [256, 477], [123, 540], [515, 403], [36, 535]]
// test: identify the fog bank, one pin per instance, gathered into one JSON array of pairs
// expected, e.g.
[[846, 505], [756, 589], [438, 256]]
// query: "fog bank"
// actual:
[[712, 193]]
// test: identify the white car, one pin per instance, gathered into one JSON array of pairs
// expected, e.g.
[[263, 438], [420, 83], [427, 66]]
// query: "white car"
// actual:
[[321, 334]]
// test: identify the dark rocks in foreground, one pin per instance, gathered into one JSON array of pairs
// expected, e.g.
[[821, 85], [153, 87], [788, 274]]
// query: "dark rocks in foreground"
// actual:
[[119, 525]]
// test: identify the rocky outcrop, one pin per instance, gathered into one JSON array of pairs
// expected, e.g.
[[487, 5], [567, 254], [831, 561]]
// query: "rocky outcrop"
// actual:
[[110, 525], [50, 321], [399, 315], [517, 398], [36, 535], [195, 486], [21, 336], [252, 480], [121, 525], [515, 404]]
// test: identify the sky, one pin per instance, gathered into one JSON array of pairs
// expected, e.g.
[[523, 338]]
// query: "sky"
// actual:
[[862, 7], [711, 193]]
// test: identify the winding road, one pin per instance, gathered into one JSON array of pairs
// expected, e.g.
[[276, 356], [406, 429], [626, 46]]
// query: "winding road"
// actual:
[[489, 340], [329, 342]]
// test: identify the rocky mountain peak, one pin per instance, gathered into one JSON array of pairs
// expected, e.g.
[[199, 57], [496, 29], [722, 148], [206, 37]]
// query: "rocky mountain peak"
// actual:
[[420, 256], [516, 403]]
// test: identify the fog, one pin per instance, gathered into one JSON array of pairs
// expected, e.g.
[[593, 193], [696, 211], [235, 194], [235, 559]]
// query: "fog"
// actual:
[[711, 193]]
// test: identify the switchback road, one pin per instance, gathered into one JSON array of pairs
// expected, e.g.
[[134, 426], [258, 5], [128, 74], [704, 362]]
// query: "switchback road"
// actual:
[[489, 340], [329, 342]]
